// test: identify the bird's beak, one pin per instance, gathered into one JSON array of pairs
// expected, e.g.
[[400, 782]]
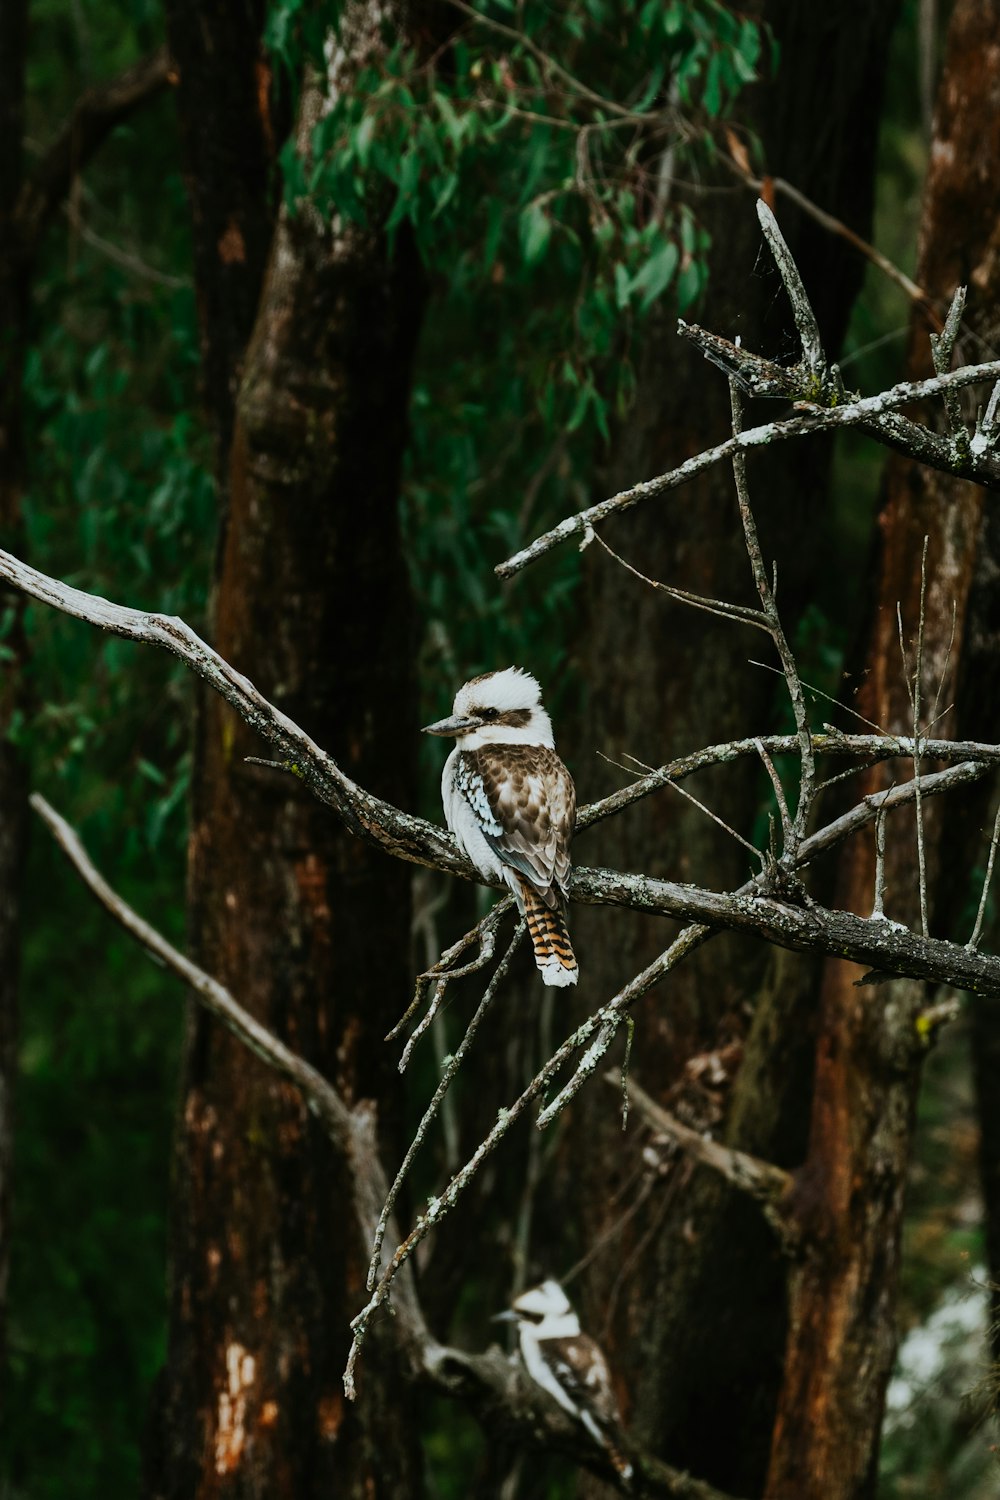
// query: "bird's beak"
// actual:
[[455, 725], [510, 1316]]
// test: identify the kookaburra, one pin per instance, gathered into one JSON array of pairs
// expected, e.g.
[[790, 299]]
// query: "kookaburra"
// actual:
[[568, 1364], [510, 802]]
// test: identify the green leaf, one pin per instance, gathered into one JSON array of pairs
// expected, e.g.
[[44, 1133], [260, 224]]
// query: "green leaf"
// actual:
[[536, 231], [712, 95], [657, 274]]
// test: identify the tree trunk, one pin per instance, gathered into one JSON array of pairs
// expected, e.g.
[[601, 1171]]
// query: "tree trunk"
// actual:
[[308, 927], [968, 242], [227, 141], [685, 682], [871, 1043]]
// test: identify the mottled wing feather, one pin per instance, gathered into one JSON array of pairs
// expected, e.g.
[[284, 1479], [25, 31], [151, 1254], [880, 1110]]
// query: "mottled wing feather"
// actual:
[[582, 1370], [527, 806]]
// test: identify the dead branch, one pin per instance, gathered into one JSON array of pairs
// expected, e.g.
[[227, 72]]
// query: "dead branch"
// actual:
[[769, 607], [810, 382], [764, 1182], [407, 837], [441, 974], [813, 357], [321, 1096], [853, 414], [451, 1067], [872, 747], [95, 115]]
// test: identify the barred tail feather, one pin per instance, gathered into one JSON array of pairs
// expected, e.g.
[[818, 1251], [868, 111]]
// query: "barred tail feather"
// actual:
[[603, 1433], [550, 939]]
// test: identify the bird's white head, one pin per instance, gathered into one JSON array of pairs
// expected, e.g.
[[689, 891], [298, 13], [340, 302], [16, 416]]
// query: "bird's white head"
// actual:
[[498, 708], [548, 1309]]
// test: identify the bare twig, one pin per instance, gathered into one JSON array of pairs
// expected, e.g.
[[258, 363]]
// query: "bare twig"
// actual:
[[779, 792], [427, 903], [942, 349], [876, 804], [609, 1017], [878, 904], [452, 1066], [987, 432], [981, 913], [914, 691], [807, 780], [720, 822], [741, 613], [831, 223], [629, 1038], [320, 1095], [440, 975], [439, 1207], [877, 747], [936, 717], [482, 932], [805, 319], [917, 693]]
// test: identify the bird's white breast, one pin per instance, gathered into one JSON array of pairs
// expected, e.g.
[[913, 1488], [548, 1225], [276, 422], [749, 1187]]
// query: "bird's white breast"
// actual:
[[468, 814]]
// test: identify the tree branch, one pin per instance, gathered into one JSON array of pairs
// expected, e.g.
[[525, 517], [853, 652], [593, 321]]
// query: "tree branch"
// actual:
[[96, 114], [805, 319], [397, 832], [407, 837], [320, 1095], [854, 414], [838, 934], [766, 1183], [873, 747], [972, 458]]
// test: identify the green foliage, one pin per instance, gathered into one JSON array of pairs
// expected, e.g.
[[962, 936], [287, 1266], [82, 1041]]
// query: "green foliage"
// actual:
[[119, 500], [530, 156]]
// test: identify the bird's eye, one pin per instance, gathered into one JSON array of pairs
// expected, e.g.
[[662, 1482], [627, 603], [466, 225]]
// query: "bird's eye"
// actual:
[[488, 713]]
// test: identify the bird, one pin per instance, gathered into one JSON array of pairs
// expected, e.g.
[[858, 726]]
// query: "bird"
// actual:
[[511, 804], [568, 1364]]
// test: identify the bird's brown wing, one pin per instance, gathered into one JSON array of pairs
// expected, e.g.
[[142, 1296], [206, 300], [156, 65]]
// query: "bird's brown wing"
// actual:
[[582, 1370], [532, 803]]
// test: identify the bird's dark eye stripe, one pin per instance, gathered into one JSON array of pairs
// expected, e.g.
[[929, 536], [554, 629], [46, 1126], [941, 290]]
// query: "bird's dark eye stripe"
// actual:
[[488, 713]]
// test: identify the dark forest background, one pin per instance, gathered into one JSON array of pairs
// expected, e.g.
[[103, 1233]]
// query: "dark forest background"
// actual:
[[316, 456]]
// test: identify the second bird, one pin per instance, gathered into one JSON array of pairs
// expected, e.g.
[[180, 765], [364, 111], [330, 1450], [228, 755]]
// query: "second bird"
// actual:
[[511, 804]]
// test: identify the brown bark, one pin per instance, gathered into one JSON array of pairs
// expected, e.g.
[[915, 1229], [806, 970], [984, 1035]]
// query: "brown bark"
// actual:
[[306, 925], [227, 141], [850, 1197], [685, 681], [968, 832], [966, 843]]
